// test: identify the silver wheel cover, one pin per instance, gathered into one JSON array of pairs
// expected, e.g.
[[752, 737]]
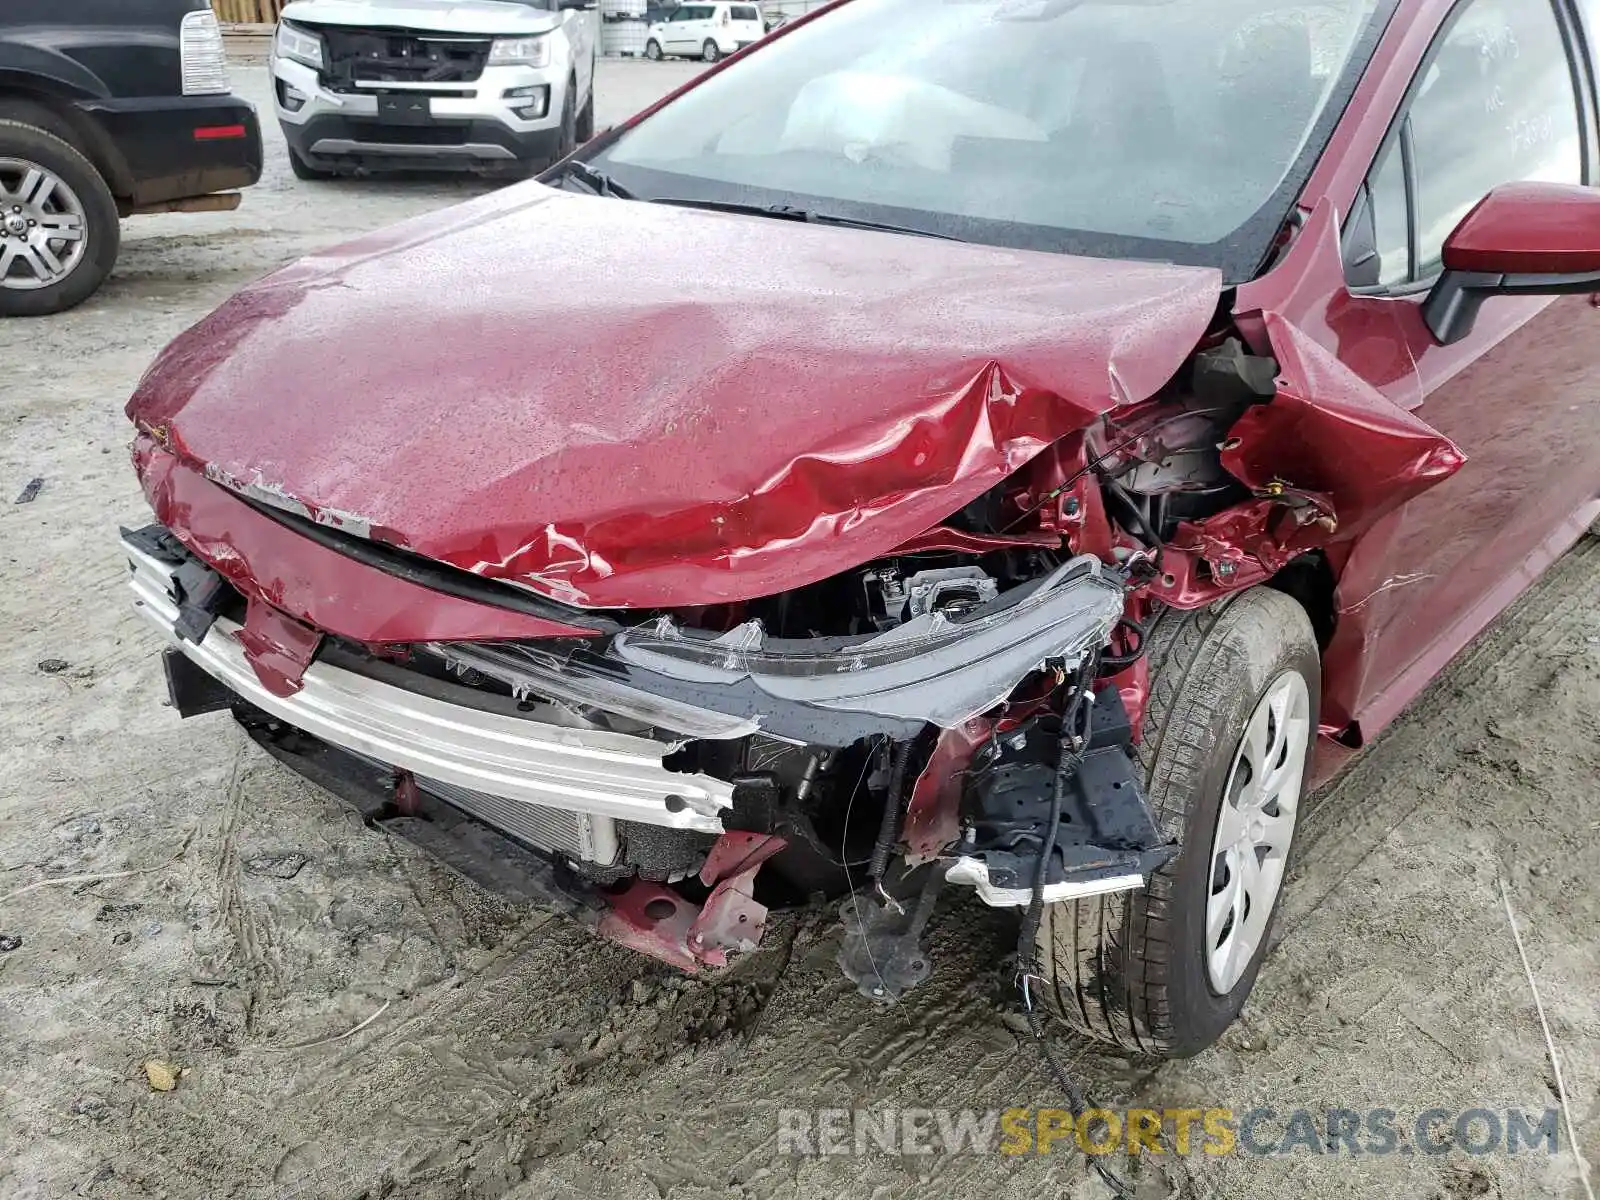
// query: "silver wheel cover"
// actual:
[[43, 230], [1255, 825]]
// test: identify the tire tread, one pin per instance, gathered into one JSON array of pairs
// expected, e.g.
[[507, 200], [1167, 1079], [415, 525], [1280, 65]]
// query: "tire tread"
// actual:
[[1109, 957], [105, 229]]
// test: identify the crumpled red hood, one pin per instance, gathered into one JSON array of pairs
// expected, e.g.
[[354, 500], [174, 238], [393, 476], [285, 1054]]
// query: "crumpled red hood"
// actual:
[[633, 405]]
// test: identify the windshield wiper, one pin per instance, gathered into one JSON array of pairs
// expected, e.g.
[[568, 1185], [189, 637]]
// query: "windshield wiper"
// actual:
[[786, 212], [602, 184], [597, 182]]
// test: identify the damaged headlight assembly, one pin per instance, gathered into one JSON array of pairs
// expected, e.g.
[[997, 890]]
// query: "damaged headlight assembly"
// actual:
[[934, 668], [945, 669]]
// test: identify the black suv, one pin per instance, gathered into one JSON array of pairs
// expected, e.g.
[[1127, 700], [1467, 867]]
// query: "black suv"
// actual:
[[108, 108]]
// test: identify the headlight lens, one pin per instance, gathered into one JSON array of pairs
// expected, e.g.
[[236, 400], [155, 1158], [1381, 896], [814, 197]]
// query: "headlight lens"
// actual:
[[298, 45], [520, 52]]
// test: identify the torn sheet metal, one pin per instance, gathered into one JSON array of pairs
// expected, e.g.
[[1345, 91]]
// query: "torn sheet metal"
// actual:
[[930, 668], [655, 920], [933, 815], [277, 647], [668, 429], [1327, 457], [329, 590], [1330, 432]]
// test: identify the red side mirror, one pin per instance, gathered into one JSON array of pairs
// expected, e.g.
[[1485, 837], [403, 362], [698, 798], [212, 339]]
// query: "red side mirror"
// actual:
[[1529, 229], [1523, 239]]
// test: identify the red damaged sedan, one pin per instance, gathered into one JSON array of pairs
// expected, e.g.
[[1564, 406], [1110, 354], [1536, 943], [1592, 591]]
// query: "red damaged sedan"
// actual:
[[972, 445]]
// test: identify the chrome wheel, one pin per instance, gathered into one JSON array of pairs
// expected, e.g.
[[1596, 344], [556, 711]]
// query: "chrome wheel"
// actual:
[[43, 230], [1255, 825]]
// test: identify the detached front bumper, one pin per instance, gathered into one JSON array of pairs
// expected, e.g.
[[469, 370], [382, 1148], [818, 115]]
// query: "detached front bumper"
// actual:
[[502, 799], [627, 753], [509, 758]]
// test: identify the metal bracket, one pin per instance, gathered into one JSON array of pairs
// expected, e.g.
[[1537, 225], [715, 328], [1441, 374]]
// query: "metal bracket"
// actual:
[[882, 953]]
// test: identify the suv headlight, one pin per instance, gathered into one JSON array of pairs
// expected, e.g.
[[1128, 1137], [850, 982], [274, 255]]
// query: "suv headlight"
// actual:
[[297, 45], [520, 52]]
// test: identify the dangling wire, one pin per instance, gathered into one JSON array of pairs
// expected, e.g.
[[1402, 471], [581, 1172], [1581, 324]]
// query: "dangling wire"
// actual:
[[889, 829], [1074, 738]]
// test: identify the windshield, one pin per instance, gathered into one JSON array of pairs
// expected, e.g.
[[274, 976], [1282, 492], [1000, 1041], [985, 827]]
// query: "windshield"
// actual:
[[1161, 129]]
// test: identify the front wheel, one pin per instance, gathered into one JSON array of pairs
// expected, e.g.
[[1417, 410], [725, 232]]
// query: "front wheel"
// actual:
[[59, 230], [585, 130], [1228, 731], [652, 50], [304, 170], [567, 139], [710, 51]]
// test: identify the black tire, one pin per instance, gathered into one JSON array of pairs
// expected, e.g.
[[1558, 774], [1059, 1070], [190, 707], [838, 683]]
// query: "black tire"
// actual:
[[566, 143], [567, 139], [652, 50], [304, 170], [1130, 968], [102, 228], [585, 129], [710, 51], [29, 112]]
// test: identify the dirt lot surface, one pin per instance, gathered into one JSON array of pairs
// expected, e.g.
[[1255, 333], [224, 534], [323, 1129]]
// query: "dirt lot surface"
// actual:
[[503, 1053]]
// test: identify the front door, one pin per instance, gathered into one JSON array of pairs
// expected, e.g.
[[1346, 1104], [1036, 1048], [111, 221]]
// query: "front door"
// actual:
[[1497, 99], [683, 30]]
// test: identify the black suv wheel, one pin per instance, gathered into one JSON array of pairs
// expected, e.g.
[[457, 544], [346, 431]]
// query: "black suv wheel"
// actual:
[[59, 230]]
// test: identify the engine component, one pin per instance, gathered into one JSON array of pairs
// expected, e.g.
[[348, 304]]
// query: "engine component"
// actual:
[[893, 598], [953, 591], [1107, 840]]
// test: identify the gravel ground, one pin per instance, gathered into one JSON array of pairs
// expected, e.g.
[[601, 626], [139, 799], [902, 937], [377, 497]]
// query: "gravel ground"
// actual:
[[503, 1053]]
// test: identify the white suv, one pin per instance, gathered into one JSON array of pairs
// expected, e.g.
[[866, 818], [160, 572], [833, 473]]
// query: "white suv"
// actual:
[[706, 31], [493, 86]]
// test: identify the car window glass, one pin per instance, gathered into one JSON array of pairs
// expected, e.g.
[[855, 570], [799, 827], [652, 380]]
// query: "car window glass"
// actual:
[[1391, 224], [1170, 123], [1496, 104], [745, 12]]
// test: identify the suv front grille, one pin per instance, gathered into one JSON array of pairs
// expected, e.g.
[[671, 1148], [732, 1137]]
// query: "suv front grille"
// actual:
[[398, 56], [377, 133]]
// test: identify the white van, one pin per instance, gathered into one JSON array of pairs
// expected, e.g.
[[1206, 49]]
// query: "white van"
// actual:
[[707, 31]]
